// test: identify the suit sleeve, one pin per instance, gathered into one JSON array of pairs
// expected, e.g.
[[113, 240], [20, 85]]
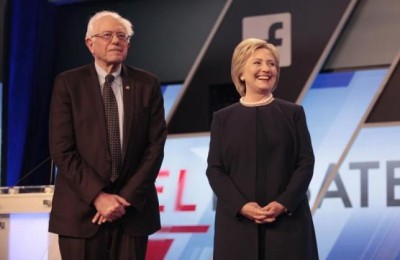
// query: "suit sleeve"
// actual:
[[72, 168], [220, 182], [304, 165], [137, 187]]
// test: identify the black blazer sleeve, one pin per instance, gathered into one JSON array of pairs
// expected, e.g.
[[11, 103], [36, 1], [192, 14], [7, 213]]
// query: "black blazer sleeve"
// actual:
[[72, 167], [219, 180], [142, 178], [304, 164]]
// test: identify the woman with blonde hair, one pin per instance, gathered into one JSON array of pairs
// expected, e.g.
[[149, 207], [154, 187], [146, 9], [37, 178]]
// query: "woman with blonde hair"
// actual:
[[260, 164]]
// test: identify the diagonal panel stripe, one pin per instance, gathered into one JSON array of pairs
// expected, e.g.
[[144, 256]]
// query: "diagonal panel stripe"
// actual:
[[334, 170], [199, 58], [386, 109]]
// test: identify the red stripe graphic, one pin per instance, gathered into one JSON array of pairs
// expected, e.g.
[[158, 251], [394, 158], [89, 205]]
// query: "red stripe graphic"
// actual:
[[158, 248], [184, 229]]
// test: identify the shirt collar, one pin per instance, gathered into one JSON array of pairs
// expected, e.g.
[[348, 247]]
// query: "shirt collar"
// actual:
[[102, 73]]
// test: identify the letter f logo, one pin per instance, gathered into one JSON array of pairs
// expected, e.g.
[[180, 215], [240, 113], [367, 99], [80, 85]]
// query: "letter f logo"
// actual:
[[276, 29], [272, 34]]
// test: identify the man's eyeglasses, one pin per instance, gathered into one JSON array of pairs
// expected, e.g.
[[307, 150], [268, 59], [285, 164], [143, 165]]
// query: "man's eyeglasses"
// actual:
[[108, 36]]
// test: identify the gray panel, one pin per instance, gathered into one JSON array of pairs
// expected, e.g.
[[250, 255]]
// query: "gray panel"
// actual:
[[371, 38]]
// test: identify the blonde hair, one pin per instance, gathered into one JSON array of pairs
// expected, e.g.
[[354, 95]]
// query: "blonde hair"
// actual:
[[126, 23], [242, 52]]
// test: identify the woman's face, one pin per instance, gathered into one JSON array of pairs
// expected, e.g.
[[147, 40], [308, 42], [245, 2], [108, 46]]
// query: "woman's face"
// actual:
[[260, 73]]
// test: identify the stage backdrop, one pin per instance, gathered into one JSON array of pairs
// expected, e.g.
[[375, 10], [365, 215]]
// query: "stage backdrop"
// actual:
[[358, 214], [355, 190], [304, 33]]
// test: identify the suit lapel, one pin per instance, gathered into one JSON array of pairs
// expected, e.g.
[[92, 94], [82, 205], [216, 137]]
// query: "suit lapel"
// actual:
[[128, 85], [93, 85]]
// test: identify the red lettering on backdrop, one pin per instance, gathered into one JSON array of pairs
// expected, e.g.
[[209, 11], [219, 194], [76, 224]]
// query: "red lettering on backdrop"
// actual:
[[160, 189], [158, 248], [179, 206]]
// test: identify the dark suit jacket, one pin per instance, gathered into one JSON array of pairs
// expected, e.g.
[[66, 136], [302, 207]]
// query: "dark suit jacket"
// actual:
[[78, 146], [232, 175]]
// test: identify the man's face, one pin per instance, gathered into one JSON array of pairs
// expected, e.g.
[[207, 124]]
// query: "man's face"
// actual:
[[112, 51]]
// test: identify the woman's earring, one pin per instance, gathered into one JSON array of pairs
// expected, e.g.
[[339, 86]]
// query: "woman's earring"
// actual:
[[242, 78]]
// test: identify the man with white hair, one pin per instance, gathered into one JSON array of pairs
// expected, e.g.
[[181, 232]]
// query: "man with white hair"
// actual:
[[107, 136]]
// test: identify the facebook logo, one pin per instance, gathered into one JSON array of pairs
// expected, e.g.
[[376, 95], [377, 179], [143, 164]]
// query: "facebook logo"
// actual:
[[276, 29]]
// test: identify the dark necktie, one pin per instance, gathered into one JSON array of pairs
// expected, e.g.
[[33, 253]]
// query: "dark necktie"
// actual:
[[111, 112]]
